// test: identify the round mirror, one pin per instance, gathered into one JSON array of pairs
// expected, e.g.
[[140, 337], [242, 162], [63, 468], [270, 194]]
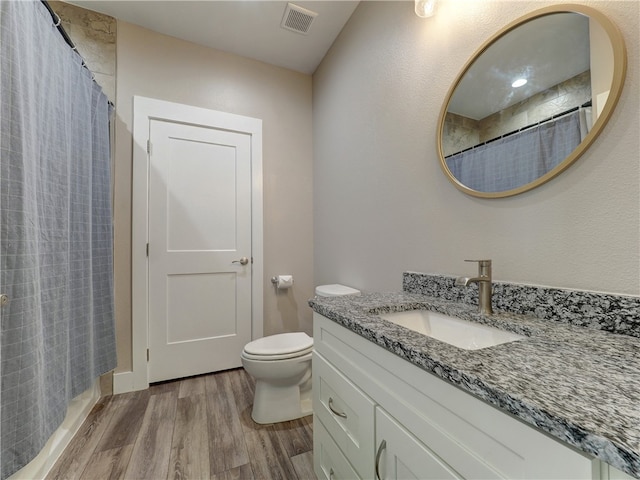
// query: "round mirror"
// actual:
[[531, 101]]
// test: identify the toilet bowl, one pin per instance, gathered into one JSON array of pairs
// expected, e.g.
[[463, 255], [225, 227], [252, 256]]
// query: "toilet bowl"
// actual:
[[281, 366]]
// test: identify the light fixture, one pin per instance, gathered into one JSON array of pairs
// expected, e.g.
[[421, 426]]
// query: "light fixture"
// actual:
[[425, 8], [519, 82]]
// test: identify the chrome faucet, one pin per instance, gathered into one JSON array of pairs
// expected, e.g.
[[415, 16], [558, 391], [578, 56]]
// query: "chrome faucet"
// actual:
[[484, 285]]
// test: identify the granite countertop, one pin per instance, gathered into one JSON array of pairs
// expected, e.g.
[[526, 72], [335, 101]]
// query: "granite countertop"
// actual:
[[578, 384]]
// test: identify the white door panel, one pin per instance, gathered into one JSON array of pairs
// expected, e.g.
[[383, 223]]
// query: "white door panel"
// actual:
[[201, 218], [199, 224], [189, 300]]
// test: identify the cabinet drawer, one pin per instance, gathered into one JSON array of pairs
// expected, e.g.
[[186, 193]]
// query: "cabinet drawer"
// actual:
[[347, 414], [328, 461]]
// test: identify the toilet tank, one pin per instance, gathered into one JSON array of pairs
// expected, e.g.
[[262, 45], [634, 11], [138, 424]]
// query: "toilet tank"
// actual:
[[335, 290]]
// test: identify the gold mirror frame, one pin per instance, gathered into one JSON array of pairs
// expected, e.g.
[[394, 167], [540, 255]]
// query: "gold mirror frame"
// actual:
[[619, 73]]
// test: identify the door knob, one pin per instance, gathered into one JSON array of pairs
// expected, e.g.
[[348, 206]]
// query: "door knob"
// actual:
[[242, 261]]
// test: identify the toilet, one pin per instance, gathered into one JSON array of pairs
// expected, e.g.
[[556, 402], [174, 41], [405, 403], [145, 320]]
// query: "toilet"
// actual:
[[281, 365]]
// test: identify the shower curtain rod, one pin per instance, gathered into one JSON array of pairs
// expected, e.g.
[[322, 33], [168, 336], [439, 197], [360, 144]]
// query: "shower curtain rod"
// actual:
[[522, 129], [57, 22]]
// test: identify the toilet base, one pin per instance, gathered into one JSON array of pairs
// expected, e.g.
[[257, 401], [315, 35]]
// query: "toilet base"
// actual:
[[292, 402]]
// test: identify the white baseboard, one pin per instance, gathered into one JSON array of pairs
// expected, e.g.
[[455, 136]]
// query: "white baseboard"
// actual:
[[77, 412], [122, 382], [125, 382]]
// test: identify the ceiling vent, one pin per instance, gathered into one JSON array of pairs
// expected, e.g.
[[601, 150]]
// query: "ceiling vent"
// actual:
[[297, 19]]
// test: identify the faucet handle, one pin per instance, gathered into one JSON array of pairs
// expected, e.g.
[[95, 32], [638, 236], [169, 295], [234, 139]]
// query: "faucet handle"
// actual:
[[484, 268], [483, 263]]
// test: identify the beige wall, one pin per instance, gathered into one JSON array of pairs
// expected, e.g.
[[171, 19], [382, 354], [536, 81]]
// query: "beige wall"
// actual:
[[165, 68], [381, 202]]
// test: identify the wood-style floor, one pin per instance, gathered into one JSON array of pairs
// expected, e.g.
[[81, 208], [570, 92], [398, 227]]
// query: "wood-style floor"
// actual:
[[194, 428]]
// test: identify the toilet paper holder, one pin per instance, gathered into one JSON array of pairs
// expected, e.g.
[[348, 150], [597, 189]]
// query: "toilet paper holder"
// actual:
[[282, 282]]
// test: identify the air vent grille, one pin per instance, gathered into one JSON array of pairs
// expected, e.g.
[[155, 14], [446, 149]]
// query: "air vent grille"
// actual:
[[297, 19]]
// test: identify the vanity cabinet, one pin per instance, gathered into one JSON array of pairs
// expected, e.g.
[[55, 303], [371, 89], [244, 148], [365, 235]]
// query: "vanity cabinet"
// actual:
[[374, 410]]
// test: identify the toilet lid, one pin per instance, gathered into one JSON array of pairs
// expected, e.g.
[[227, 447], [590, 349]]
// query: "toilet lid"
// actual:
[[281, 344], [335, 290], [283, 356]]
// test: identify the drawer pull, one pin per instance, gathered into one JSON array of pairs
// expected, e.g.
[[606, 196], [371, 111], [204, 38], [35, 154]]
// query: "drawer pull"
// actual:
[[331, 473], [381, 448], [334, 411]]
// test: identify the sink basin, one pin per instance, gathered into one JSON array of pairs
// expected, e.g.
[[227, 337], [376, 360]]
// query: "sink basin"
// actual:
[[454, 331]]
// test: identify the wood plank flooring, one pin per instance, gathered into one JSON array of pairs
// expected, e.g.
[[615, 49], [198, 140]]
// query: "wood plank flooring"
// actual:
[[194, 428]]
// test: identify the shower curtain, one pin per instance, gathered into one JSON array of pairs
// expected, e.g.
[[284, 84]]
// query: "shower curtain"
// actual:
[[518, 159], [57, 331]]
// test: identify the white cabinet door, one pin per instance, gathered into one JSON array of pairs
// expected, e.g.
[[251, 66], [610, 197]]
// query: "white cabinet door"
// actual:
[[610, 473], [402, 456]]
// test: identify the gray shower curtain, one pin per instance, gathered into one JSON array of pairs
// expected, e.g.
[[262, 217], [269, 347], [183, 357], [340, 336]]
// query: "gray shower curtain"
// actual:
[[518, 159], [57, 331]]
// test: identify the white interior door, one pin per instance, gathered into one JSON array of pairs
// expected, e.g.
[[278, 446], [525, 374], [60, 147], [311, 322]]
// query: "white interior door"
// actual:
[[199, 237]]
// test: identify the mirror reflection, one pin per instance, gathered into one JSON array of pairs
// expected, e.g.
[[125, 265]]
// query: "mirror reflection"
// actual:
[[525, 104]]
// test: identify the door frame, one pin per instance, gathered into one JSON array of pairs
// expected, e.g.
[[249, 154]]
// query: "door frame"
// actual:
[[144, 110]]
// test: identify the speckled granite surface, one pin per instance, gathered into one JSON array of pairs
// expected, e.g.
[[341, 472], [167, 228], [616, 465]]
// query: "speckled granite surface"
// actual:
[[602, 311], [581, 385]]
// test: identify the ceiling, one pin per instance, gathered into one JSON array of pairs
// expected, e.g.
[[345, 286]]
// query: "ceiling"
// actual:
[[251, 28], [242, 27]]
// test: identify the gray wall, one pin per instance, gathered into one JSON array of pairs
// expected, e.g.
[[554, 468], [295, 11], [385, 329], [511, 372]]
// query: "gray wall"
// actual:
[[381, 202]]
